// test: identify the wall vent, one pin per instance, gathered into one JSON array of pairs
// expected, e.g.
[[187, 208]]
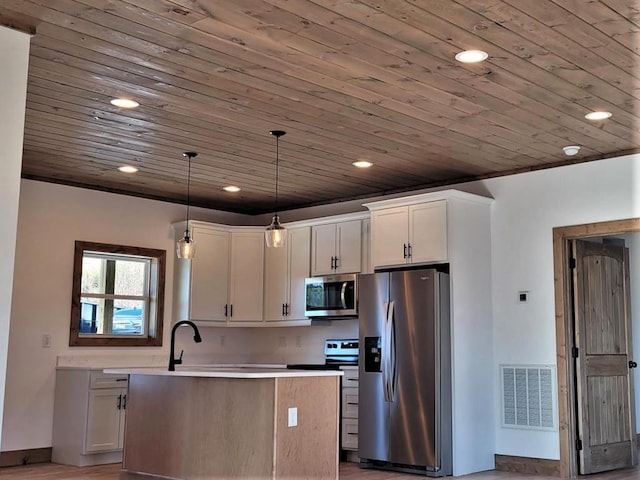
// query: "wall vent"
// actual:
[[529, 396]]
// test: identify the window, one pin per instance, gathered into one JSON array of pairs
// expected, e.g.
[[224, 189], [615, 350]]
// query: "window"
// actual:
[[118, 295]]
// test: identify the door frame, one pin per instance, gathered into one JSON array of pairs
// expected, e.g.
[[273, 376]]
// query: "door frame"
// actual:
[[564, 329]]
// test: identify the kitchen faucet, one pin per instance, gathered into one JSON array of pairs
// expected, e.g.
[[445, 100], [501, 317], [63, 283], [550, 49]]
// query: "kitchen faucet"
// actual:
[[196, 338]]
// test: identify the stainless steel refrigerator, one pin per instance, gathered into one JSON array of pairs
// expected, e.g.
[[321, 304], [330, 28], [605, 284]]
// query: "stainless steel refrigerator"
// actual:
[[404, 419]]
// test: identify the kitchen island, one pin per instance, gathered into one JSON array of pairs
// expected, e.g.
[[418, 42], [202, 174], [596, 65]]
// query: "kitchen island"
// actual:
[[209, 422]]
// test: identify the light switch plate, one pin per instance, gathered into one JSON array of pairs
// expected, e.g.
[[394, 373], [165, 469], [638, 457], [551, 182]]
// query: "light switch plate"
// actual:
[[293, 417]]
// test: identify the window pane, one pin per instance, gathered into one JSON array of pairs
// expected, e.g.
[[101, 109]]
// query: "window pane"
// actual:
[[112, 316], [92, 275], [130, 277]]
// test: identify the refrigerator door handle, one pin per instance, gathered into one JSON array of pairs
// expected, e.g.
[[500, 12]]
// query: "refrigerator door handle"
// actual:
[[385, 353], [392, 353]]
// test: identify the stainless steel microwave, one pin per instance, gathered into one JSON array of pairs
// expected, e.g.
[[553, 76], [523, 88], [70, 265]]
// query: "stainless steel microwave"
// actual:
[[332, 296]]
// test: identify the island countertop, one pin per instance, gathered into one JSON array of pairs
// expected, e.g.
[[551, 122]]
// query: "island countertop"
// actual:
[[225, 371]]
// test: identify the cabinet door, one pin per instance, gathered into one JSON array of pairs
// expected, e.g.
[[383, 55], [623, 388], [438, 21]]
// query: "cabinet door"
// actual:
[[103, 420], [428, 232], [299, 266], [349, 247], [209, 275], [323, 250], [389, 235], [276, 280], [246, 277]]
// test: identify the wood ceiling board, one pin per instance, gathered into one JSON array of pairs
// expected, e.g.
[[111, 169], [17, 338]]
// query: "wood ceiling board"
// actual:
[[347, 80]]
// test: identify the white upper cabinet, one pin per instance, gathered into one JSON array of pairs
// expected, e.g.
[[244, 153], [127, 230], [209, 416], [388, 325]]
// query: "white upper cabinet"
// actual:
[[336, 248], [209, 273], [223, 282], [285, 272], [409, 234], [245, 277], [428, 232]]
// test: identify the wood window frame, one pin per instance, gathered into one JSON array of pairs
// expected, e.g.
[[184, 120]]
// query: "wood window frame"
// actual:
[[153, 337], [564, 331]]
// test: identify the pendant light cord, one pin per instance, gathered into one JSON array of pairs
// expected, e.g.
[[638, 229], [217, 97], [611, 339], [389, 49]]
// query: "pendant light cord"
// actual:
[[277, 134], [190, 156], [277, 171], [188, 191]]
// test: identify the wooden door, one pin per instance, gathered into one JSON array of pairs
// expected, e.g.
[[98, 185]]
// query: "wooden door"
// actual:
[[606, 407]]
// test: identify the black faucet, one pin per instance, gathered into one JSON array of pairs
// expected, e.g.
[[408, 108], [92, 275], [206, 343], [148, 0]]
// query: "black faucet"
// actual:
[[196, 338]]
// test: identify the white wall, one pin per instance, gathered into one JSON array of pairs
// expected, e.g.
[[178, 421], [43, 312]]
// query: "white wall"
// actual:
[[14, 58], [526, 209]]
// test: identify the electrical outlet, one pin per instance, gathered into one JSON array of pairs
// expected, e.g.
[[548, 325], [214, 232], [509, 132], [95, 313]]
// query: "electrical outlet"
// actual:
[[292, 420], [282, 342], [46, 340]]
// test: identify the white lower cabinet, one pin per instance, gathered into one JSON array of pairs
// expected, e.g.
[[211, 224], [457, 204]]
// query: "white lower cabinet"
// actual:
[[88, 417], [349, 403]]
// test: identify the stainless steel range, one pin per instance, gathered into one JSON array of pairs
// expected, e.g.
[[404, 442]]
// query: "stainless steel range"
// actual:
[[337, 353]]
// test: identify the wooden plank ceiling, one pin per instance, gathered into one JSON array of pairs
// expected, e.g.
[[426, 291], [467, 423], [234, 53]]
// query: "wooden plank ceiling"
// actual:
[[348, 80]]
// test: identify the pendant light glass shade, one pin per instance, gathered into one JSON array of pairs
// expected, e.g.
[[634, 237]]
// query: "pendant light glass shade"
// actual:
[[186, 246], [275, 235]]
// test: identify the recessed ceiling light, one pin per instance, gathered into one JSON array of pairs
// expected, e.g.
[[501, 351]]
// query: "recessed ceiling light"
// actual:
[[472, 56], [571, 150], [231, 188], [128, 169], [362, 164], [124, 103], [599, 115]]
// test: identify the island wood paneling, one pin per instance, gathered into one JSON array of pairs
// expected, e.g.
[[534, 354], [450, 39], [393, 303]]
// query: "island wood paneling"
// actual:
[[351, 80], [309, 449], [191, 428]]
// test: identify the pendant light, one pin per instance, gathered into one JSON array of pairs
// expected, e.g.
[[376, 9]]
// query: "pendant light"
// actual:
[[186, 246], [275, 234]]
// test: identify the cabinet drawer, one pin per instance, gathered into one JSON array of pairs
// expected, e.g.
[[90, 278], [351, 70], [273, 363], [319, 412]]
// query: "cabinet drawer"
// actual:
[[350, 403], [107, 380], [350, 434], [350, 378]]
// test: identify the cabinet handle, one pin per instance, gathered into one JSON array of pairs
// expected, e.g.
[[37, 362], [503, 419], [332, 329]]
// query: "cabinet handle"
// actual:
[[410, 251], [405, 250], [332, 260], [226, 310], [283, 310], [231, 311], [119, 402], [352, 403], [286, 309], [124, 402], [335, 263]]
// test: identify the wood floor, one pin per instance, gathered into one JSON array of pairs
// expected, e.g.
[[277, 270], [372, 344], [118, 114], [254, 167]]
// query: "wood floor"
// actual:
[[348, 471]]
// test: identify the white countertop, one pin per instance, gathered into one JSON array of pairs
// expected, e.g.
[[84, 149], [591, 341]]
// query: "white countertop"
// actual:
[[227, 371]]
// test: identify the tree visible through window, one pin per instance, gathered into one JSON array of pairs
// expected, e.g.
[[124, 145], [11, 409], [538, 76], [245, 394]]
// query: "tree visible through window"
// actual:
[[118, 295]]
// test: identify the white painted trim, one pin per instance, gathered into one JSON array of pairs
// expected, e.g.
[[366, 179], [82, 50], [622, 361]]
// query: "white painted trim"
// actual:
[[428, 197]]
